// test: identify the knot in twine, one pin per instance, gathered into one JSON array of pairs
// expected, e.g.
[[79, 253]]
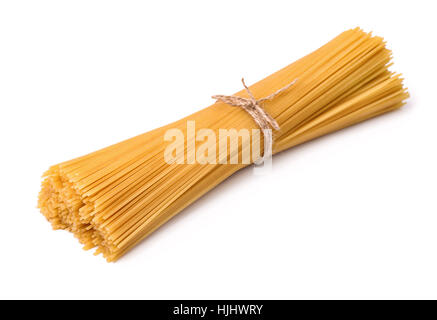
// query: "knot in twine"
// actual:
[[253, 107]]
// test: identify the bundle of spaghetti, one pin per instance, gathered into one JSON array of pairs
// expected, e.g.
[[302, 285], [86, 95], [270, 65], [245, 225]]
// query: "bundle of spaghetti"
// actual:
[[115, 197]]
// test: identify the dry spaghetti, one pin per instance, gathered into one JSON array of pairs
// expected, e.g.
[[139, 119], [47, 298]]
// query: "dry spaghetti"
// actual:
[[115, 197]]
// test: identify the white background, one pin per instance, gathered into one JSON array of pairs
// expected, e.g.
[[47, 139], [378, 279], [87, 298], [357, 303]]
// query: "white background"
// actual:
[[350, 215]]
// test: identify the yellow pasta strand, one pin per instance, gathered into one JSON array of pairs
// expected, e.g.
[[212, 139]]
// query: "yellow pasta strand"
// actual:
[[115, 197]]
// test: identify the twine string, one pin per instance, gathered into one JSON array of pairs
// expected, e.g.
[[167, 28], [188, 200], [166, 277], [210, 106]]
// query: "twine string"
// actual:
[[253, 107]]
